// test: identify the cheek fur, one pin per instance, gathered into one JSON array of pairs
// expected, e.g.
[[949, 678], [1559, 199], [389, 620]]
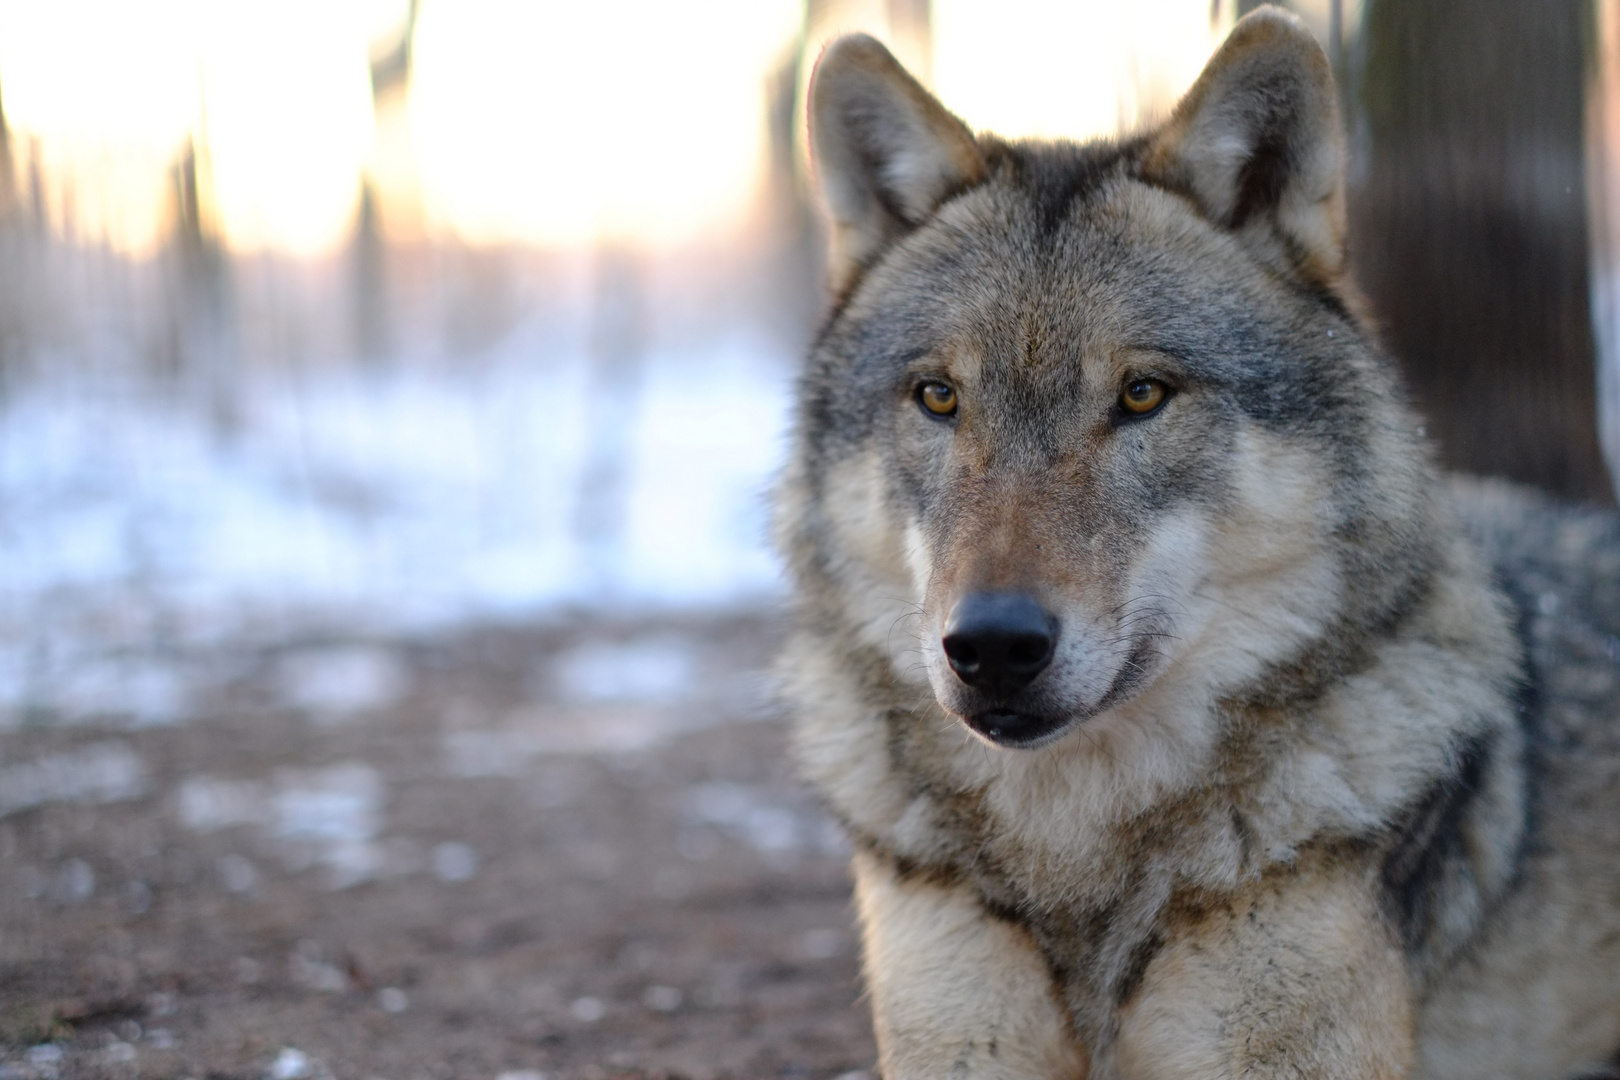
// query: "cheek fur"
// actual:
[[1161, 598], [1267, 580], [876, 583]]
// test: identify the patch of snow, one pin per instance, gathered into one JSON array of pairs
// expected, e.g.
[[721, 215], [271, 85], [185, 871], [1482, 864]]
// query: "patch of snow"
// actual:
[[206, 803], [75, 882], [148, 691], [588, 1009], [425, 493], [658, 670], [290, 1064], [326, 816], [342, 681], [762, 821], [318, 975], [540, 731], [44, 1054], [339, 804], [103, 772], [120, 1053], [332, 815]]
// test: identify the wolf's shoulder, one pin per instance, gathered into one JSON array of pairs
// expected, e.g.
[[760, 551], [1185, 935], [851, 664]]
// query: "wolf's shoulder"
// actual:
[[1559, 565]]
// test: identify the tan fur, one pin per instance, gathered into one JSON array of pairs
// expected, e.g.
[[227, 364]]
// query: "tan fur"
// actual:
[[1300, 790], [956, 994], [1332, 1001]]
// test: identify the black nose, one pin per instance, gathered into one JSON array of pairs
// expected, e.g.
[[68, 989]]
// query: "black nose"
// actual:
[[999, 642]]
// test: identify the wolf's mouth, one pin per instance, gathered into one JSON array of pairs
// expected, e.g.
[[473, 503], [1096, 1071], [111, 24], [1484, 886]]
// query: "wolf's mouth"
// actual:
[[1007, 728], [1019, 729]]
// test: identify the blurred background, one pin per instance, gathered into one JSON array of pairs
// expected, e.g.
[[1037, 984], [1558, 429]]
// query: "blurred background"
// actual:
[[389, 394]]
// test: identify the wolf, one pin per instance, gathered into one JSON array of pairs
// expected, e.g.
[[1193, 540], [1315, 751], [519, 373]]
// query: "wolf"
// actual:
[[1186, 723]]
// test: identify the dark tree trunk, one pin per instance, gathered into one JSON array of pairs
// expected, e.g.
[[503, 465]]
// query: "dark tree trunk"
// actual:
[[1469, 228]]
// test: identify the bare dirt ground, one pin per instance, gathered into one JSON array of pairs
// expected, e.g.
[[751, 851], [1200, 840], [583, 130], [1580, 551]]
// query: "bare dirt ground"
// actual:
[[573, 850]]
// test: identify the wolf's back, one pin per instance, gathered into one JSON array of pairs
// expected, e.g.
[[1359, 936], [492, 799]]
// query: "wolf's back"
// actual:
[[1545, 969]]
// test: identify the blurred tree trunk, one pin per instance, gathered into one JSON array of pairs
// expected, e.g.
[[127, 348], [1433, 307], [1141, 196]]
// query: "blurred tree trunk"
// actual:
[[207, 359], [13, 264], [1469, 228], [618, 353], [1603, 203]]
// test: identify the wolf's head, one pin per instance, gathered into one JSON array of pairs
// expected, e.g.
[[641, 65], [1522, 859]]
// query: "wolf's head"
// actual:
[[1091, 423]]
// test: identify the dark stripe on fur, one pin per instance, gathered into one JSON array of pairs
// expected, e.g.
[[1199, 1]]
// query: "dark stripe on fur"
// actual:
[[1052, 176], [1346, 647], [909, 870], [1141, 956], [1422, 867], [1609, 1070], [1262, 178], [1528, 705]]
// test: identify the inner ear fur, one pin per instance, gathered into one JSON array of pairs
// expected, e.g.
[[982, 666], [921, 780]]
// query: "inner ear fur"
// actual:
[[885, 151], [1257, 144]]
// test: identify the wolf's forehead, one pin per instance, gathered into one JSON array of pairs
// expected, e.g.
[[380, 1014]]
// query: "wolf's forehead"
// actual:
[[1013, 278], [1053, 271]]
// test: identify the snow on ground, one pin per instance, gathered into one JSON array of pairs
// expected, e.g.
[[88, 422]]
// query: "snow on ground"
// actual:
[[387, 497]]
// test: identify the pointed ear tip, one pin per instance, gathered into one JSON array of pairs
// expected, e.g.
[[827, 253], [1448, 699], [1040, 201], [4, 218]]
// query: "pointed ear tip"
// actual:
[[841, 65], [1271, 18], [854, 50], [1267, 39], [1272, 27]]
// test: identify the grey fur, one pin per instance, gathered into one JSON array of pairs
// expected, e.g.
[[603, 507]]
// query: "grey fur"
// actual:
[[1427, 733]]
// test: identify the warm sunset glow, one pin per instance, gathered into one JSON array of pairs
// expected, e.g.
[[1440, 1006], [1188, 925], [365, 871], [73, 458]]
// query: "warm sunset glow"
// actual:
[[547, 123], [111, 90], [561, 123], [1071, 69], [107, 108], [288, 118]]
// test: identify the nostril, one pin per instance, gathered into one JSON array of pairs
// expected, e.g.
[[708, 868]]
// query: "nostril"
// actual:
[[1029, 651], [961, 653]]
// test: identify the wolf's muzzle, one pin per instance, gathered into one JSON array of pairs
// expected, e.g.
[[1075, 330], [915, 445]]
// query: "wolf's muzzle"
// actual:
[[998, 642]]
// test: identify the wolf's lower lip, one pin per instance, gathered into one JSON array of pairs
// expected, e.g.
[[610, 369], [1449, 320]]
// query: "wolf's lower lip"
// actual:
[[1012, 728]]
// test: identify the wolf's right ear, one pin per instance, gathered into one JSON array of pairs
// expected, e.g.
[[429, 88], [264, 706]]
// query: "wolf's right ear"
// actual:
[[1257, 143], [886, 152]]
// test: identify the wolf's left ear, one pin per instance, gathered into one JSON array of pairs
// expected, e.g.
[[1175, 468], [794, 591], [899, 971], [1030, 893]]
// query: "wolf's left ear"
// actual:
[[886, 152], [1257, 144]]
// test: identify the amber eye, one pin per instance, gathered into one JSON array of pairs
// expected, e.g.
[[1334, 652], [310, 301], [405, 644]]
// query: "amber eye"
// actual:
[[1143, 396], [937, 398]]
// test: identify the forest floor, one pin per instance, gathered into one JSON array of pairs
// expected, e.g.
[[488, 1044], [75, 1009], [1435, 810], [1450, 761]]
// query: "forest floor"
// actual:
[[575, 849]]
